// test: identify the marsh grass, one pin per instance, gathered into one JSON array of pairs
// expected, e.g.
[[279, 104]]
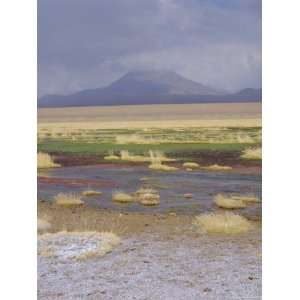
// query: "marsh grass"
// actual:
[[246, 198], [252, 153], [216, 167], [153, 155], [143, 191], [111, 156], [90, 193], [157, 159], [160, 167], [191, 165], [188, 196], [228, 202], [227, 223], [44, 160], [68, 200], [125, 155], [147, 196], [121, 197], [149, 199]]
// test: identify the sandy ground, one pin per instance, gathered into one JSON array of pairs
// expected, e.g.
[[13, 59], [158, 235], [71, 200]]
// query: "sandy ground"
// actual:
[[160, 257], [146, 116]]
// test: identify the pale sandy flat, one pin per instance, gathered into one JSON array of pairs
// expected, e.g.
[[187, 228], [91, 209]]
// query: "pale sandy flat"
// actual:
[[162, 116]]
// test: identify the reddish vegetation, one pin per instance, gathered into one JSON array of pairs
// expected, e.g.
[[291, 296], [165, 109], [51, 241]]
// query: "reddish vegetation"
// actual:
[[69, 182], [71, 160], [204, 158], [68, 160]]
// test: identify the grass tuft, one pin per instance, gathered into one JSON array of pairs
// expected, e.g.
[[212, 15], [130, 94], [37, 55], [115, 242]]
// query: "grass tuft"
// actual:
[[227, 223], [147, 196], [89, 193], [68, 200], [188, 196], [161, 167], [247, 199], [216, 167], [44, 160], [121, 197], [111, 156], [252, 153], [191, 165], [229, 202], [77, 245], [43, 226]]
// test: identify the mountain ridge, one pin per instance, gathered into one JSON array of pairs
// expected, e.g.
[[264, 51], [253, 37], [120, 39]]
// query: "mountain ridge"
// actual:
[[149, 87]]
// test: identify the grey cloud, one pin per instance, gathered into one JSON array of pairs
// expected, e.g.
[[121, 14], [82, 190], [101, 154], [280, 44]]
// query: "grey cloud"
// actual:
[[89, 43]]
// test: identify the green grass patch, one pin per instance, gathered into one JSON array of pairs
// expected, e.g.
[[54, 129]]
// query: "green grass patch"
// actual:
[[104, 148]]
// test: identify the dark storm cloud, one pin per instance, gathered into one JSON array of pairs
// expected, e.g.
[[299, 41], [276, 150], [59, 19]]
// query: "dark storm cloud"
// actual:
[[89, 43]]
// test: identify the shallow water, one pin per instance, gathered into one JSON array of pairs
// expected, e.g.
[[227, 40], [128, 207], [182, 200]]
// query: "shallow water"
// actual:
[[171, 186]]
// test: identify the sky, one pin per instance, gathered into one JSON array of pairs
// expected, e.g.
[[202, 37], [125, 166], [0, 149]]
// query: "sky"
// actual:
[[90, 43]]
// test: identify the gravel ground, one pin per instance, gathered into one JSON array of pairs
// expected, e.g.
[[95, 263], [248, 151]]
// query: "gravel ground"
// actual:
[[174, 263]]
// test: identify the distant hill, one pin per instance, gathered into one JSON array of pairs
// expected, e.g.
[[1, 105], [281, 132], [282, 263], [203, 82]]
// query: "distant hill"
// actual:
[[149, 87]]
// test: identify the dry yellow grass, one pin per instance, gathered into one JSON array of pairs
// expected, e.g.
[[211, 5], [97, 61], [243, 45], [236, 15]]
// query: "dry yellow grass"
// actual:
[[77, 245], [188, 196], [191, 165], [68, 200], [246, 198], [156, 159], [243, 139], [142, 191], [252, 153], [111, 156], [149, 199], [175, 135], [161, 167], [227, 223], [228, 202], [147, 196], [44, 160], [42, 225], [88, 193], [121, 197], [216, 167], [125, 155], [109, 241], [156, 156]]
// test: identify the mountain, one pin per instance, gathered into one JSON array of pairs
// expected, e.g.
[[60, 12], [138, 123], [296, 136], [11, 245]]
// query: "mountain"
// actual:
[[159, 82], [250, 93], [149, 87]]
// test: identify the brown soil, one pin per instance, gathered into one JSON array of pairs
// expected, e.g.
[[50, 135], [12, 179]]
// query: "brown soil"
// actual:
[[95, 219], [204, 158], [124, 224]]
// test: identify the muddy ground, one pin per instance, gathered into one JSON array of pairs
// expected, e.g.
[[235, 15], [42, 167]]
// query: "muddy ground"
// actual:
[[161, 256], [204, 158]]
